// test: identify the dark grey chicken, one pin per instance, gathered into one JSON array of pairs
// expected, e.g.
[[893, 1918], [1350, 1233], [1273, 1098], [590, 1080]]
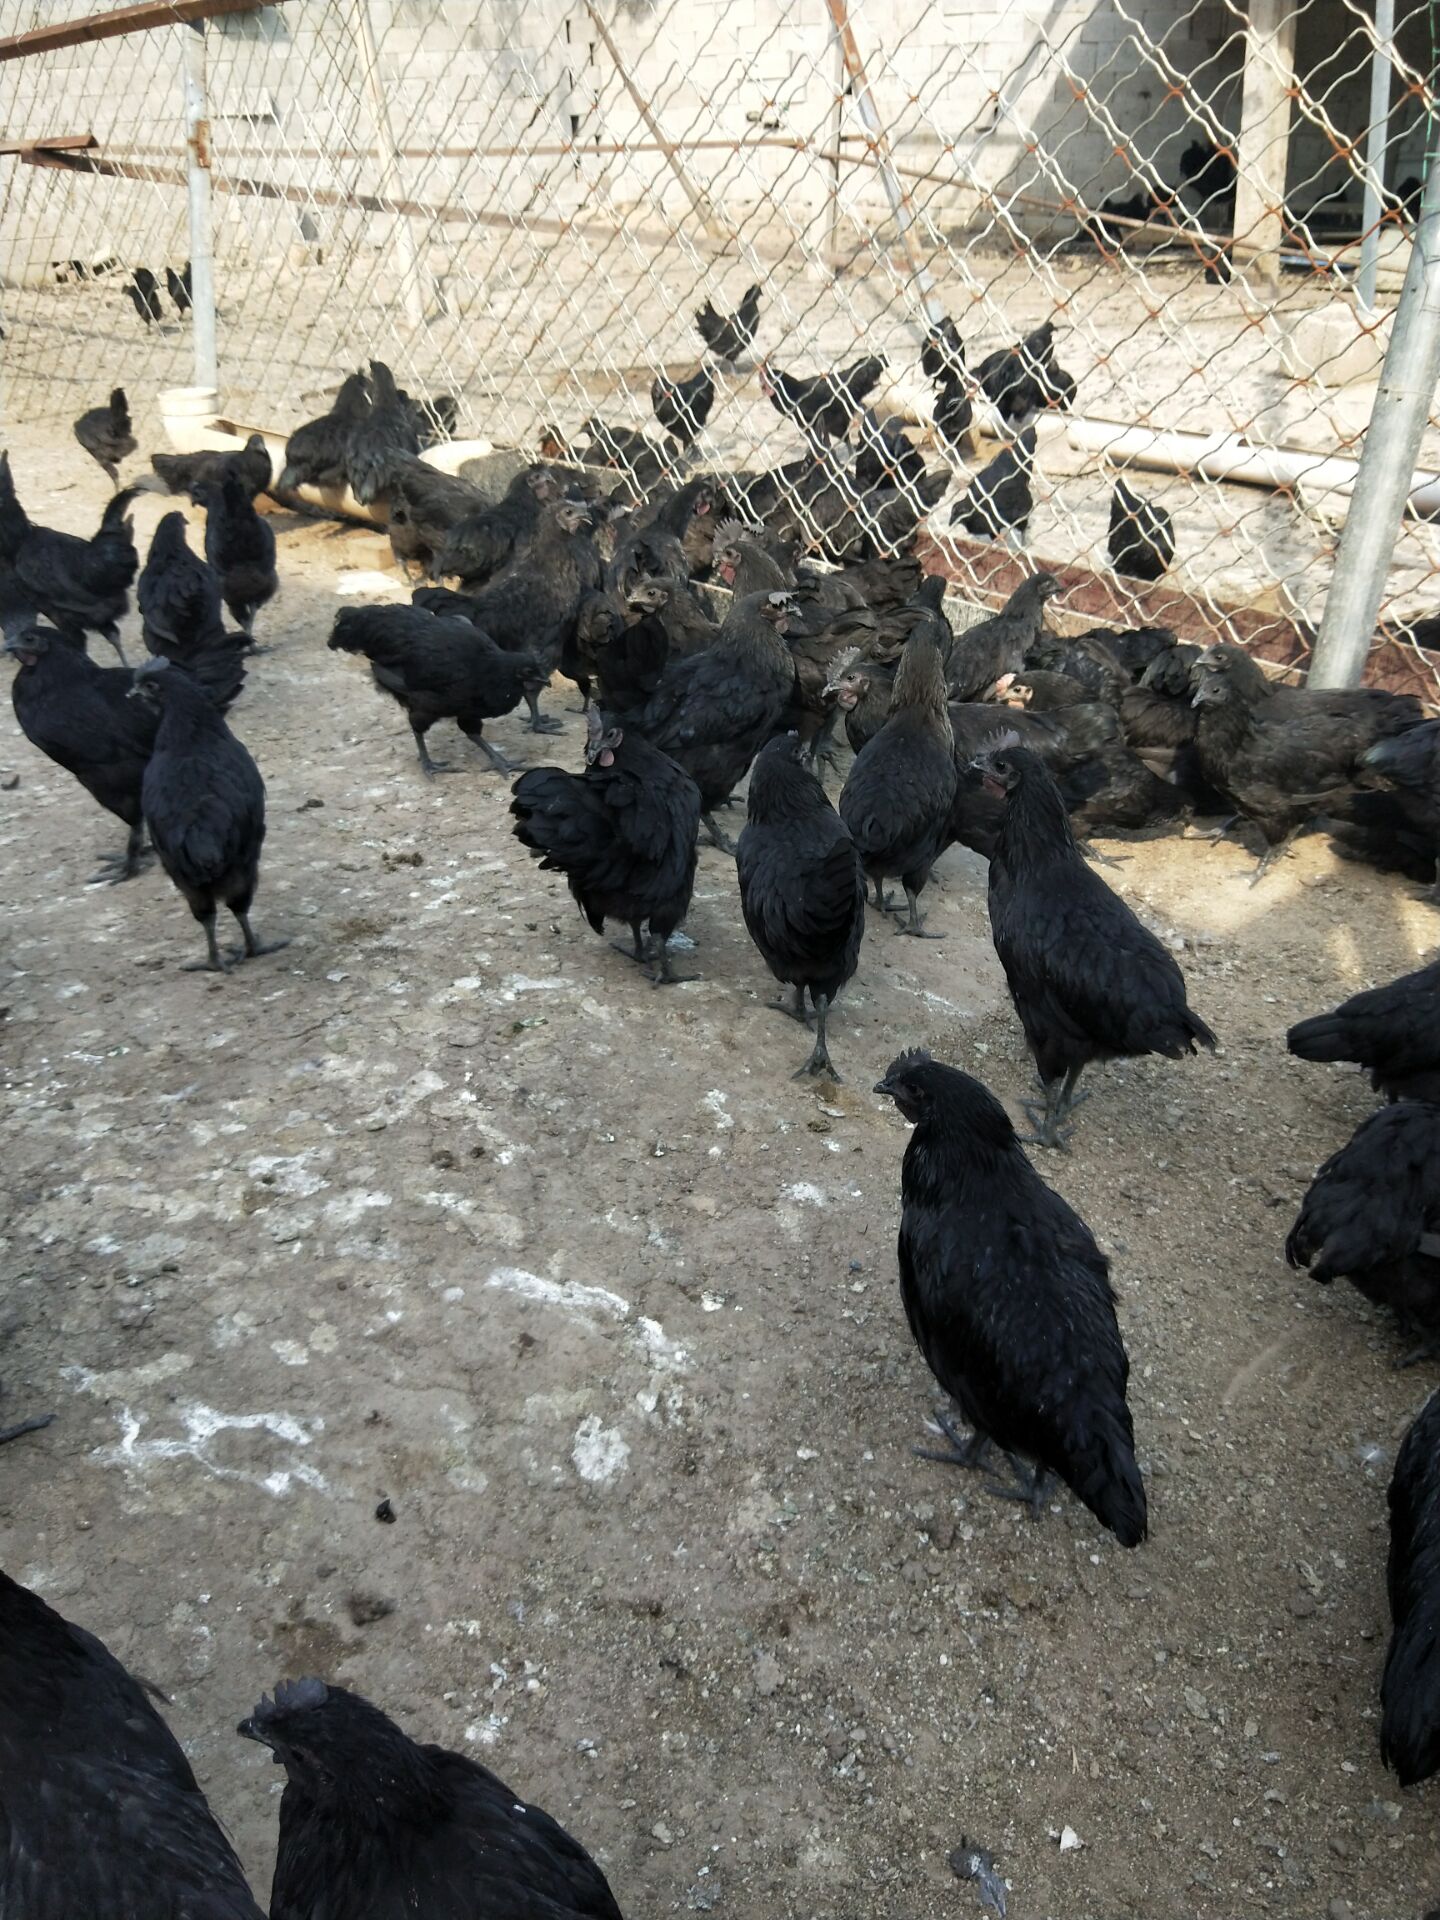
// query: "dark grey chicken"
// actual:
[[623, 834], [802, 886], [106, 435], [728, 335]]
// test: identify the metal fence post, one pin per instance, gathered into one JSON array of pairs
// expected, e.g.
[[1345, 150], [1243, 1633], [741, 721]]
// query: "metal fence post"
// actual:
[[202, 255], [1387, 462], [1377, 140]]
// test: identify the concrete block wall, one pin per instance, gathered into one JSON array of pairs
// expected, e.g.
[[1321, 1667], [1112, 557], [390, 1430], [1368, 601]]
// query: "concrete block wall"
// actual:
[[1030, 97]]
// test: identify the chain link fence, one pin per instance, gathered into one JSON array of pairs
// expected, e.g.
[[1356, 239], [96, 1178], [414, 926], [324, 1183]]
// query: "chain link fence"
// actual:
[[522, 203]]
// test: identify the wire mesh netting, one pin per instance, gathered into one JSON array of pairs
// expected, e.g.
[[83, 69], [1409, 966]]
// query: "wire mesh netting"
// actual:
[[523, 202]]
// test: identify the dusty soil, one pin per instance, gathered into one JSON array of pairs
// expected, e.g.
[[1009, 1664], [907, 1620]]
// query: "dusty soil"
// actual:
[[445, 1207]]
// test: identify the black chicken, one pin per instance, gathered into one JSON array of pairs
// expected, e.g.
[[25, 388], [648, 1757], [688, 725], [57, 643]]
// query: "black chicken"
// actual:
[[1009, 1300], [623, 834], [1022, 379], [178, 285], [1088, 981], [1393, 1032], [897, 796], [1372, 1213], [240, 546], [1284, 755], [143, 292], [1000, 644], [103, 1814], [942, 356], [1142, 535], [1000, 497], [802, 886], [954, 413], [683, 406], [105, 434], [440, 667], [1410, 1688], [80, 716], [178, 593], [729, 335], [712, 711], [374, 1826], [532, 605], [1397, 827], [382, 437], [479, 545], [824, 405], [425, 506], [204, 803], [189, 473], [82, 585], [316, 454], [886, 459]]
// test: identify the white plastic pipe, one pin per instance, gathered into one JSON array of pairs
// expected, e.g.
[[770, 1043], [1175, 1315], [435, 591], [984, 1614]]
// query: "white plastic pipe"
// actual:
[[1229, 456]]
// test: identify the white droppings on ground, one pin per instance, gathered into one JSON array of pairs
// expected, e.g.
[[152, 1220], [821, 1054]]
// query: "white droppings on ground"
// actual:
[[202, 1427], [517, 983], [367, 582], [291, 1353], [569, 1295], [714, 1102], [347, 1208], [599, 1452], [287, 1173], [805, 1193]]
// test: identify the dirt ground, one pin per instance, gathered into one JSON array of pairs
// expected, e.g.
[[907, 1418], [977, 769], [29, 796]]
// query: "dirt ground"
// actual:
[[444, 1207]]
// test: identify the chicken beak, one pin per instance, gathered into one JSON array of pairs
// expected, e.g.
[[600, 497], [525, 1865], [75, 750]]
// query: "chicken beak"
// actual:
[[882, 1086]]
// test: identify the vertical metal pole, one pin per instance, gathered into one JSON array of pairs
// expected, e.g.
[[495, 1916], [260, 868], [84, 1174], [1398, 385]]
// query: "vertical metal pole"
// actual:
[[390, 181], [1387, 460], [1376, 141], [879, 141], [202, 252], [842, 79]]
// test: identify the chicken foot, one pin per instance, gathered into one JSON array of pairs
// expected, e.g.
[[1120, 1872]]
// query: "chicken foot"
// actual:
[[541, 722], [1048, 1122], [718, 837], [501, 762], [116, 868], [915, 926], [819, 1061]]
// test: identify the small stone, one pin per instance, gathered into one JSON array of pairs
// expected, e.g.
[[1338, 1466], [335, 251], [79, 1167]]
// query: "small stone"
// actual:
[[1302, 1604], [1338, 1909], [1252, 1727], [767, 1675], [366, 1608], [309, 804], [662, 1833], [1196, 1703], [1384, 1810], [385, 1513], [9, 782]]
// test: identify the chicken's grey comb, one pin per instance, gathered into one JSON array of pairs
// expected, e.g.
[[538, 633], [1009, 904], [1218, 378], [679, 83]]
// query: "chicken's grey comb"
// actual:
[[733, 528], [912, 1057], [293, 1696], [1001, 742]]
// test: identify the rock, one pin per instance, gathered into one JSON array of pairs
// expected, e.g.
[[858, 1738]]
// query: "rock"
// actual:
[[1196, 1703], [1302, 1604], [768, 1677], [1338, 1909], [366, 1608], [662, 1833], [309, 803]]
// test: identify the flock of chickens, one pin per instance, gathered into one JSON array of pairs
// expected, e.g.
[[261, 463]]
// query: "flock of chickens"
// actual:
[[709, 650]]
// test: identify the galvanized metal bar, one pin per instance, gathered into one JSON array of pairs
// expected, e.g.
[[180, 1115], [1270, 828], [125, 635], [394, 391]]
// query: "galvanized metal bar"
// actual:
[[880, 143], [1382, 68], [1387, 461], [197, 174], [107, 26]]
